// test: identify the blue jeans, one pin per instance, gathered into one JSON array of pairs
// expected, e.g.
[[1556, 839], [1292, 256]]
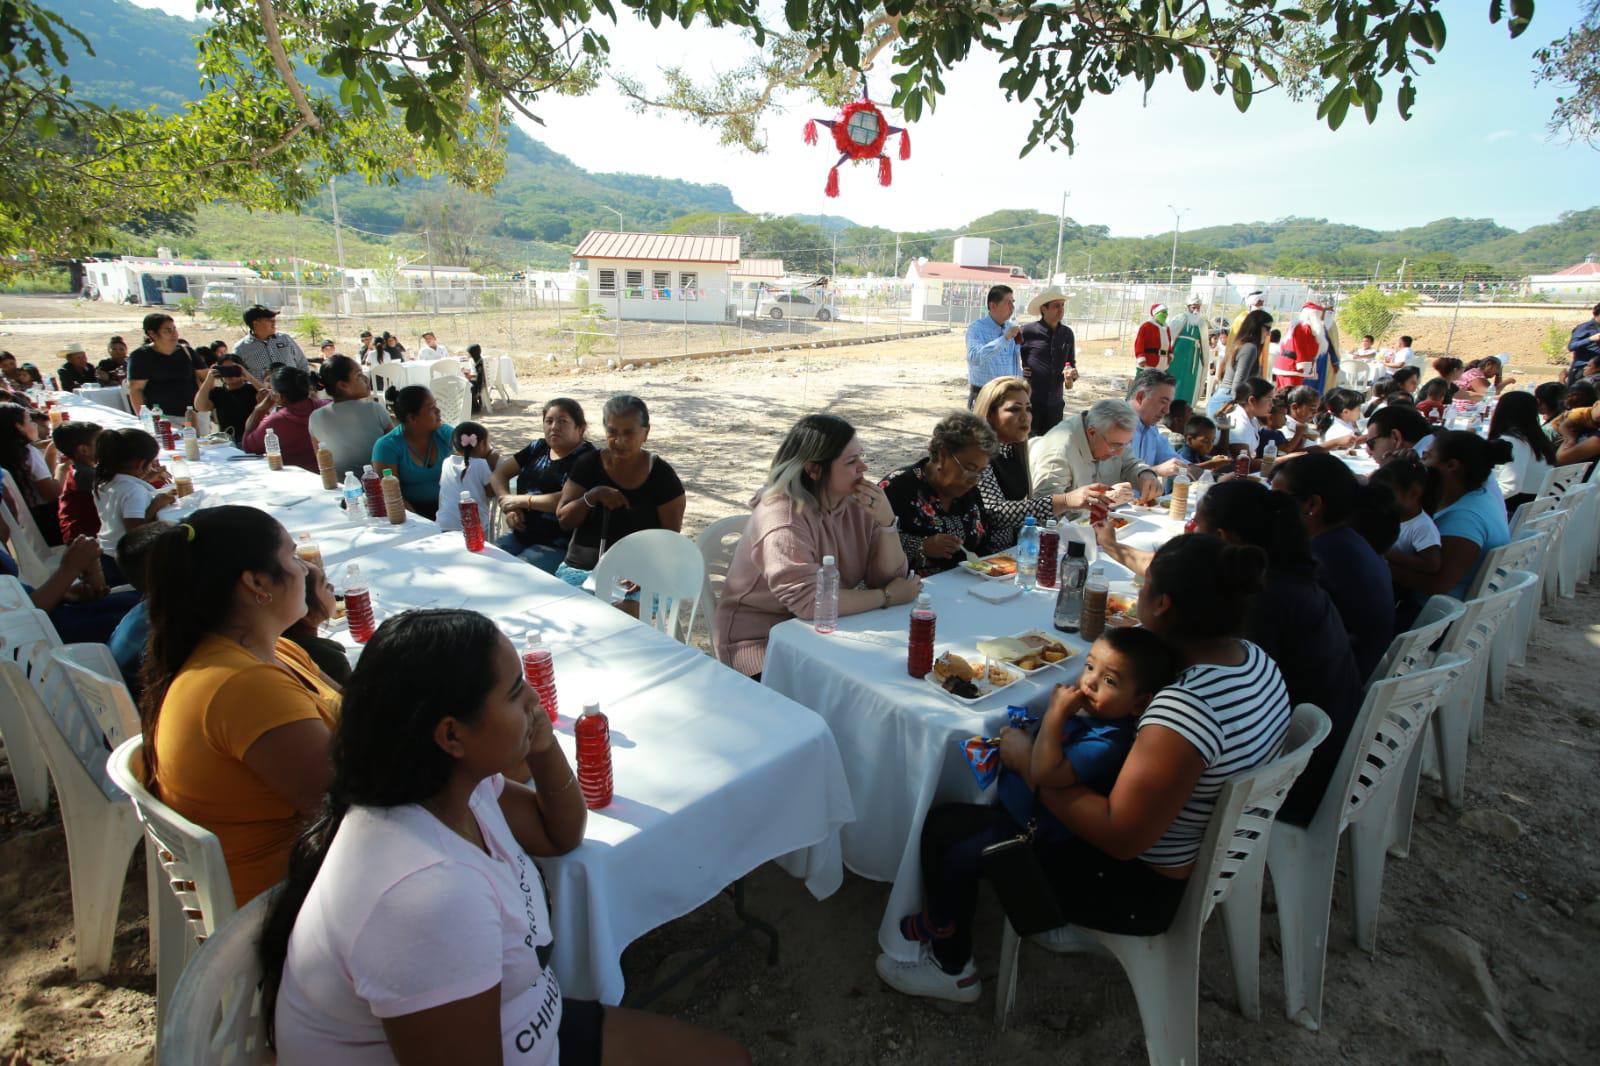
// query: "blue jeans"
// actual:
[[1215, 401], [546, 557]]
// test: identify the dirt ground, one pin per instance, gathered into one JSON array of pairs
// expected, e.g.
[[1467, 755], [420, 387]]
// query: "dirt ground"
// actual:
[[1531, 904]]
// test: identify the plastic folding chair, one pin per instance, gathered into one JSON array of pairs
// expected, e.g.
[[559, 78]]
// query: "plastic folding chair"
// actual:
[[453, 395], [1554, 524], [36, 560], [670, 574], [13, 597], [717, 543], [1535, 507], [1564, 477], [215, 1018], [1524, 552], [1412, 650], [1361, 797], [1574, 565], [101, 828], [92, 673], [1165, 969], [198, 893]]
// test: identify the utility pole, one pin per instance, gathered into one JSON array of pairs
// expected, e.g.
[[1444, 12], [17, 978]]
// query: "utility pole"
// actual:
[[835, 273], [1177, 220], [1403, 263], [1061, 228], [433, 284], [1460, 295], [614, 211], [338, 244], [897, 255]]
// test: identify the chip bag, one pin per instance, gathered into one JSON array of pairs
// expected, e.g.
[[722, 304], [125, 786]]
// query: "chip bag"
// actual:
[[983, 757]]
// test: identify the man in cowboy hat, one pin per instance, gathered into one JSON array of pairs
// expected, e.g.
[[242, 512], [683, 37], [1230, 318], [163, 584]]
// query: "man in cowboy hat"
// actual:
[[1049, 358], [1152, 345], [76, 370], [266, 348]]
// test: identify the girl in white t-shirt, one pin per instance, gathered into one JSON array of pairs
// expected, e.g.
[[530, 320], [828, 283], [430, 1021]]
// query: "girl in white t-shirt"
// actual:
[[21, 458], [1417, 549], [414, 914], [468, 470], [1341, 421], [124, 459], [1253, 406]]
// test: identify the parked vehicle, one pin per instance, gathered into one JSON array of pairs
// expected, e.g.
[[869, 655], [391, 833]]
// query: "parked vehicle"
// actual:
[[810, 305]]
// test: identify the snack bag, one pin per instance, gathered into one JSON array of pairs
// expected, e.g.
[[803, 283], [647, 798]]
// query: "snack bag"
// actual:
[[1021, 717], [983, 757]]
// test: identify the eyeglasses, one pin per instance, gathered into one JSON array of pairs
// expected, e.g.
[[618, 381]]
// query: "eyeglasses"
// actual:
[[973, 473]]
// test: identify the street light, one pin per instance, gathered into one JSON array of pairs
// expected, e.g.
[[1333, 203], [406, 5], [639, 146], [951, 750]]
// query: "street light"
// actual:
[[1177, 219], [614, 211]]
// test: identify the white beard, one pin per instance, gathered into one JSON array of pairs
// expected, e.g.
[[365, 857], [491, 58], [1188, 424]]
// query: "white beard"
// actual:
[[1314, 320]]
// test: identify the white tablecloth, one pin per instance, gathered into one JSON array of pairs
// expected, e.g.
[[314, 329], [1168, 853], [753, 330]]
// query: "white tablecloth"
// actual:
[[112, 396], [412, 373], [715, 775]]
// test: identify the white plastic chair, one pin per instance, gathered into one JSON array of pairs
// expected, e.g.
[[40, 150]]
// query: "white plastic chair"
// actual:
[[28, 769], [505, 379], [36, 560], [101, 828], [1524, 552], [717, 543], [92, 673], [1165, 969], [1412, 650], [454, 397], [669, 572], [215, 1018], [1563, 478], [13, 597], [1572, 565], [1532, 509], [1555, 525], [197, 895], [1361, 796]]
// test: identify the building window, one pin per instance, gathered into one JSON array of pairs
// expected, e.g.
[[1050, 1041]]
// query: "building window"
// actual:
[[689, 281], [634, 285], [661, 282], [608, 282]]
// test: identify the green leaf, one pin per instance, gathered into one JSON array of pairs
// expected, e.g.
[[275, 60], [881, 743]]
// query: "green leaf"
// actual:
[[1194, 70], [1241, 89], [1339, 107], [1371, 97], [794, 13], [1521, 15], [1294, 14], [1435, 23]]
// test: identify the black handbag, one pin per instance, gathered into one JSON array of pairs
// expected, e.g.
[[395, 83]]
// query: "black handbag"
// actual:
[[1026, 894]]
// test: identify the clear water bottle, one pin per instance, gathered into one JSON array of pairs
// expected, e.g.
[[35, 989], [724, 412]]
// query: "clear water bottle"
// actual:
[[1269, 459], [1070, 577], [1027, 553], [355, 508], [825, 614], [274, 451]]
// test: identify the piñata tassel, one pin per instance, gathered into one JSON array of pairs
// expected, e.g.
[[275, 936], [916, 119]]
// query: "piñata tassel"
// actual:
[[811, 131], [884, 171], [833, 182], [905, 144]]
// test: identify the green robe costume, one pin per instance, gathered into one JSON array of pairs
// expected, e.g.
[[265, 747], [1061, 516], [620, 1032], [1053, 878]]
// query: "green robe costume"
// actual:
[[1188, 357]]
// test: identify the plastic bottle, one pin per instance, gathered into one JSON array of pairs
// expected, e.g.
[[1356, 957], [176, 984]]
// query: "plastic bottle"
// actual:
[[191, 444], [372, 489], [308, 550], [355, 508], [330, 476], [1096, 593], [539, 671], [1201, 487], [1269, 456], [1179, 507], [593, 734], [919, 657], [182, 479], [358, 605], [1027, 553], [394, 504], [471, 524], [164, 431], [1241, 464], [274, 451], [1049, 553], [825, 615], [1069, 600], [147, 419]]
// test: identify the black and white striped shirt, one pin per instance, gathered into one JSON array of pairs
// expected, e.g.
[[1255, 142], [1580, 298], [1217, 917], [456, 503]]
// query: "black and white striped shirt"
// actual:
[[1236, 718]]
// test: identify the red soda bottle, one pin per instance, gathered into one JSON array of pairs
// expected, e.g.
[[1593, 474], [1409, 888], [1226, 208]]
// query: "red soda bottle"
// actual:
[[919, 659], [539, 671], [593, 733], [357, 605], [164, 431], [471, 523], [372, 487], [1049, 550]]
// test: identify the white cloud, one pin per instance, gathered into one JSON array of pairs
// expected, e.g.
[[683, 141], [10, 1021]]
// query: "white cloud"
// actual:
[[1500, 135]]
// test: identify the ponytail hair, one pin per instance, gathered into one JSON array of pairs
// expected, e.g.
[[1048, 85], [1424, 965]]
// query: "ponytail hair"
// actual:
[[336, 370], [116, 449], [293, 384], [1338, 401], [419, 668], [1211, 585], [191, 572], [1257, 516], [1446, 365]]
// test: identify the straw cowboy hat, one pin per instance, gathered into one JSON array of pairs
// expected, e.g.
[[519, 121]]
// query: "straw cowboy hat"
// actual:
[[1047, 296], [72, 348]]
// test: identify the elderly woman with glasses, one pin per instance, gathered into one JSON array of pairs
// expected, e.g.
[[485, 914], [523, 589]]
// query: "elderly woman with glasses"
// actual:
[[936, 501]]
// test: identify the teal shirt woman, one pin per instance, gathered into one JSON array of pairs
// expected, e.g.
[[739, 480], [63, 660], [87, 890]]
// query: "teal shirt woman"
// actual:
[[415, 449]]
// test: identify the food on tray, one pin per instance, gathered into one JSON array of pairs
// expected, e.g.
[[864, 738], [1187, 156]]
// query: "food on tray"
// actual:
[[1030, 651], [1054, 655], [1030, 663], [1007, 648], [950, 665], [999, 675], [1118, 522], [960, 686], [998, 566], [1118, 604]]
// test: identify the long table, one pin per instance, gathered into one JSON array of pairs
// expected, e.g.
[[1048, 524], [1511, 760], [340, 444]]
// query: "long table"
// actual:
[[714, 774]]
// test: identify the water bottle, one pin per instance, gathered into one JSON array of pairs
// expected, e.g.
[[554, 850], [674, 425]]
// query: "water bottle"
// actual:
[[919, 659], [274, 451], [147, 419], [1027, 553], [1201, 487], [354, 509], [825, 614], [358, 605], [372, 490], [191, 444], [1069, 598], [1269, 456], [471, 525], [593, 734]]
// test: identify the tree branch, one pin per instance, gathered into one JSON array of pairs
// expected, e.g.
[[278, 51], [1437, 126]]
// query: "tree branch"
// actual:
[[485, 71], [280, 58]]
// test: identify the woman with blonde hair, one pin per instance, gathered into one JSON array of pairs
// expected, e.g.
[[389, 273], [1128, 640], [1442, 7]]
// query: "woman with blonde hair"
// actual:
[[1003, 491], [816, 503]]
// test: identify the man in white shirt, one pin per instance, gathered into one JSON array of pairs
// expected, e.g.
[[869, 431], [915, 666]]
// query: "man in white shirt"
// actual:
[[1089, 455], [432, 349]]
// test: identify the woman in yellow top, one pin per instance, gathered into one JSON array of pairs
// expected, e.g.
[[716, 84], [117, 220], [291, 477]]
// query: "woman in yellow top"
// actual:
[[236, 717]]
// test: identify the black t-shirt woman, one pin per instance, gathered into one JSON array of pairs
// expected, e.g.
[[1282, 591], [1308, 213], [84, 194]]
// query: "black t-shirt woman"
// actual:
[[529, 483]]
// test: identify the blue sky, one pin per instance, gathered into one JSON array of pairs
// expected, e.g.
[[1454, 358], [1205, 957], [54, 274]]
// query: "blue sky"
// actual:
[[1475, 147]]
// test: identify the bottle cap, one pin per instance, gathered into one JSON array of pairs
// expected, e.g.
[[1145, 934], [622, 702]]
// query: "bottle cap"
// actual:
[[1075, 549], [466, 497], [924, 600], [1029, 521], [827, 560], [591, 708]]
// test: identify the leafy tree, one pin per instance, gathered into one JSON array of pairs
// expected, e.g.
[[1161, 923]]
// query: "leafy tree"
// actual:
[[1372, 312], [1573, 62]]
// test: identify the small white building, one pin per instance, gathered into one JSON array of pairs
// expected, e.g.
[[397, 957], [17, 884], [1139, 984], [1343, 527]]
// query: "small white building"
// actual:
[[959, 291], [659, 277], [160, 280], [1580, 282], [1224, 294]]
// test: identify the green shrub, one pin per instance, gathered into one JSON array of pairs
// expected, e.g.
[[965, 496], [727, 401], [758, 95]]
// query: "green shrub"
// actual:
[[1554, 345], [309, 325], [1372, 311]]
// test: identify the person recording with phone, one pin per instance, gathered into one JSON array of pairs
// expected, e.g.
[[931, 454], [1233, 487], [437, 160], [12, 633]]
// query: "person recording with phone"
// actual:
[[230, 392]]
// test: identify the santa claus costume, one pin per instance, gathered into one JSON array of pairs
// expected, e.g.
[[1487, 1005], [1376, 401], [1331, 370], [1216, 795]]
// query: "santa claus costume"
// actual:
[[1152, 345], [1306, 351]]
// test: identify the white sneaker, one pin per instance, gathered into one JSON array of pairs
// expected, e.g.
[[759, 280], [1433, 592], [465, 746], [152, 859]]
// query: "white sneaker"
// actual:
[[925, 977]]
